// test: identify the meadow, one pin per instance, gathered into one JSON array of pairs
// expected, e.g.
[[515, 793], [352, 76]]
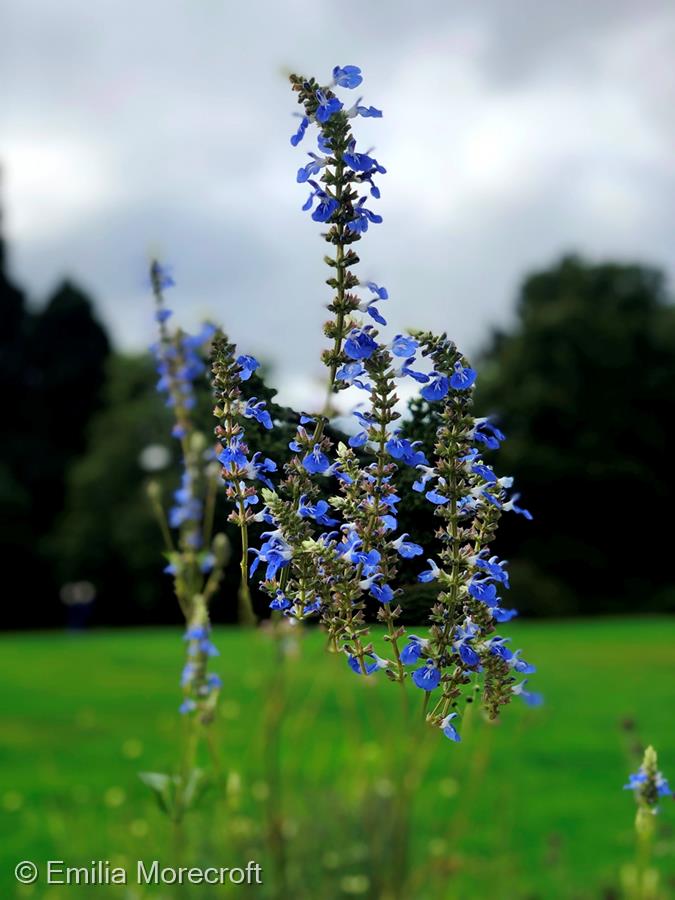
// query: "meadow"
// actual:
[[530, 807]]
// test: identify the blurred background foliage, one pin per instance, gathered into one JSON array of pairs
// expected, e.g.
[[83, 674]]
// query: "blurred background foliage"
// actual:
[[582, 384]]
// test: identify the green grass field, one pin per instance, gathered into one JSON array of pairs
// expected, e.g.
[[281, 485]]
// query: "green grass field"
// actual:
[[529, 808]]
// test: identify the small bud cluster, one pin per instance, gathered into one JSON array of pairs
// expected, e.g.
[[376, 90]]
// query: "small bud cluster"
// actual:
[[648, 784]]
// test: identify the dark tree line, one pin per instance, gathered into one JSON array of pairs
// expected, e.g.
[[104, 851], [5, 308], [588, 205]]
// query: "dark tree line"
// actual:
[[52, 375], [583, 385]]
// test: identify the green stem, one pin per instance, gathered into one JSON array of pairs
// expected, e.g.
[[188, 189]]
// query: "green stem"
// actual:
[[275, 804], [337, 346], [246, 614], [210, 508], [160, 515], [645, 827]]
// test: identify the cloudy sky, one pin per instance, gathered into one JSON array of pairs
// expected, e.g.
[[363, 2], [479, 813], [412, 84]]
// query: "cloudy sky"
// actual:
[[512, 132]]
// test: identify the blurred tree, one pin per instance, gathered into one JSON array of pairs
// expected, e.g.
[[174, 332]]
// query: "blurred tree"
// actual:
[[583, 386], [68, 350], [16, 534], [51, 377], [108, 535]]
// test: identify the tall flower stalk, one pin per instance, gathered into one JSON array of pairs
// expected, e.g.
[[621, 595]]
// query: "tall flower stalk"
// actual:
[[195, 556], [332, 549], [239, 473], [328, 554], [334, 177]]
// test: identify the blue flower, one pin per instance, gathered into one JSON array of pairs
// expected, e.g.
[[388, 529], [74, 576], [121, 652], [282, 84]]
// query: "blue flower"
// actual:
[[299, 611], [207, 563], [413, 650], [187, 508], [405, 450], [406, 549], [382, 592], [350, 541], [327, 107], [214, 682], [326, 206], [162, 276], [368, 560], [497, 647], [256, 410], [370, 667], [317, 512], [484, 472], [232, 456], [406, 371], [196, 341], [519, 665], [255, 469], [462, 378], [449, 729], [427, 677], [501, 615], [436, 498], [368, 112], [529, 697], [196, 633], [188, 673], [280, 601], [204, 647], [484, 432], [275, 552], [362, 217], [510, 506], [323, 143], [428, 472], [300, 133], [347, 76], [163, 314], [494, 567], [187, 706], [637, 779], [374, 313], [404, 346], [313, 167], [351, 373], [380, 292], [360, 343], [316, 462], [248, 366], [361, 162], [437, 388], [482, 589], [397, 447], [462, 645], [431, 573]]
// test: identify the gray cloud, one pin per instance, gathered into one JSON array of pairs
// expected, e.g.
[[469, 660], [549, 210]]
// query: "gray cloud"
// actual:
[[512, 132]]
